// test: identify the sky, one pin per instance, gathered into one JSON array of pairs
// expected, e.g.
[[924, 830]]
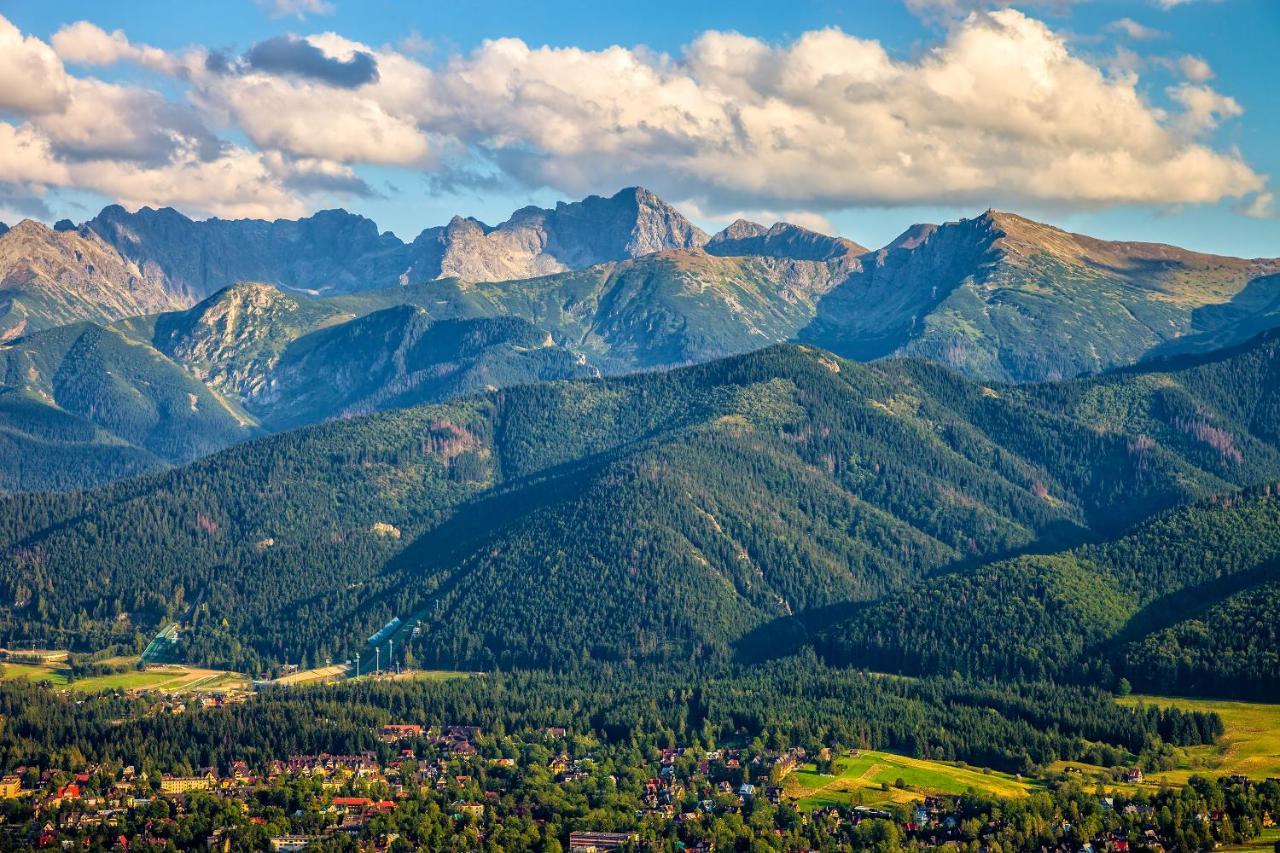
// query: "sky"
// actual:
[[1125, 119]]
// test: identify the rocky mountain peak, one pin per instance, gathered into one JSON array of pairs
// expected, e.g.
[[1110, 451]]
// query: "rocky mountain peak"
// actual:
[[740, 229], [781, 240]]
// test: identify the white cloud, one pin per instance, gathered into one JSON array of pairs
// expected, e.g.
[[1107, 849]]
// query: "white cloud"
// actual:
[[27, 159], [1135, 30], [1203, 108], [32, 79], [85, 43], [1195, 69], [1261, 206], [999, 112], [238, 183], [297, 8]]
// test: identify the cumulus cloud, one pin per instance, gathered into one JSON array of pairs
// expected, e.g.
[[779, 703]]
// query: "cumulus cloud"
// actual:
[[1261, 206], [1195, 69], [32, 79], [111, 121], [85, 43], [1000, 111], [132, 143], [1203, 108], [293, 55]]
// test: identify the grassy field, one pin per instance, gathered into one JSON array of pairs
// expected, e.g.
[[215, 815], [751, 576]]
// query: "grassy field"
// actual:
[[1264, 843], [56, 675], [319, 675], [170, 678], [1250, 747], [433, 675], [860, 780]]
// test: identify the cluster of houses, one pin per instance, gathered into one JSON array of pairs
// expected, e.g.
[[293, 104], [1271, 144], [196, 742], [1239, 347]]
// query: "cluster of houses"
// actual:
[[688, 786]]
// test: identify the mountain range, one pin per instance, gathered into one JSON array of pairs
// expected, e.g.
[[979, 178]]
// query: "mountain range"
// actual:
[[714, 502], [223, 330]]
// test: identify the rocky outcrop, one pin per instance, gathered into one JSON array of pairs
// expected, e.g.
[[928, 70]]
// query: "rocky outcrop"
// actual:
[[51, 278], [536, 241], [783, 240]]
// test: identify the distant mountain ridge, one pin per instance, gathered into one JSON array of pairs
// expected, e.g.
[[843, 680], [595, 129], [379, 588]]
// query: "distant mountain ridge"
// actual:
[[781, 240], [338, 252], [629, 285], [1005, 298]]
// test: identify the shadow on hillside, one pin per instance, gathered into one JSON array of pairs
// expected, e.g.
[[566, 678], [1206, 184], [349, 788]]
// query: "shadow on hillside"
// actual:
[[1255, 309]]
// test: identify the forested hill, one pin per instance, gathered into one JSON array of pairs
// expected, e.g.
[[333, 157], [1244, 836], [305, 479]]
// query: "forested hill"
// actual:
[[705, 502], [1182, 604]]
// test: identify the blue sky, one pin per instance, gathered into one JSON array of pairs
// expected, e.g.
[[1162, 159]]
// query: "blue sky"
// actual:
[[494, 170]]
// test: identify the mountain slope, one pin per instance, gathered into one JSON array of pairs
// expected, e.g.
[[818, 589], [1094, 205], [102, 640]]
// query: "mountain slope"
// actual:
[[51, 278], [65, 391], [1005, 298], [1229, 647], [400, 357], [168, 388], [1062, 616], [708, 502], [664, 309]]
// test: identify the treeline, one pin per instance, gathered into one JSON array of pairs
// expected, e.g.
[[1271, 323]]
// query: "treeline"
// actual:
[[796, 702]]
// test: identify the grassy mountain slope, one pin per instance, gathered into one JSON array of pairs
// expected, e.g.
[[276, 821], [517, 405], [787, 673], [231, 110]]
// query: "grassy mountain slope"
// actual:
[[168, 388], [702, 503], [665, 309], [1002, 297], [399, 357]]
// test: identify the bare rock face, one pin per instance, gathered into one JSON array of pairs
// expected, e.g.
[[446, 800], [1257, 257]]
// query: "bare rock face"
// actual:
[[338, 252], [50, 278], [783, 240], [330, 252], [536, 241]]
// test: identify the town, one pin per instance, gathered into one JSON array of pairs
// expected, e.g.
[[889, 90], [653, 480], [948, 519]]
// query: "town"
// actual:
[[455, 786]]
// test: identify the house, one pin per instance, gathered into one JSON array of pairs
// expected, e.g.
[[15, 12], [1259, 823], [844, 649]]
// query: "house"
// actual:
[[10, 787], [182, 784], [349, 803], [392, 732], [1134, 776], [600, 842], [467, 808]]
